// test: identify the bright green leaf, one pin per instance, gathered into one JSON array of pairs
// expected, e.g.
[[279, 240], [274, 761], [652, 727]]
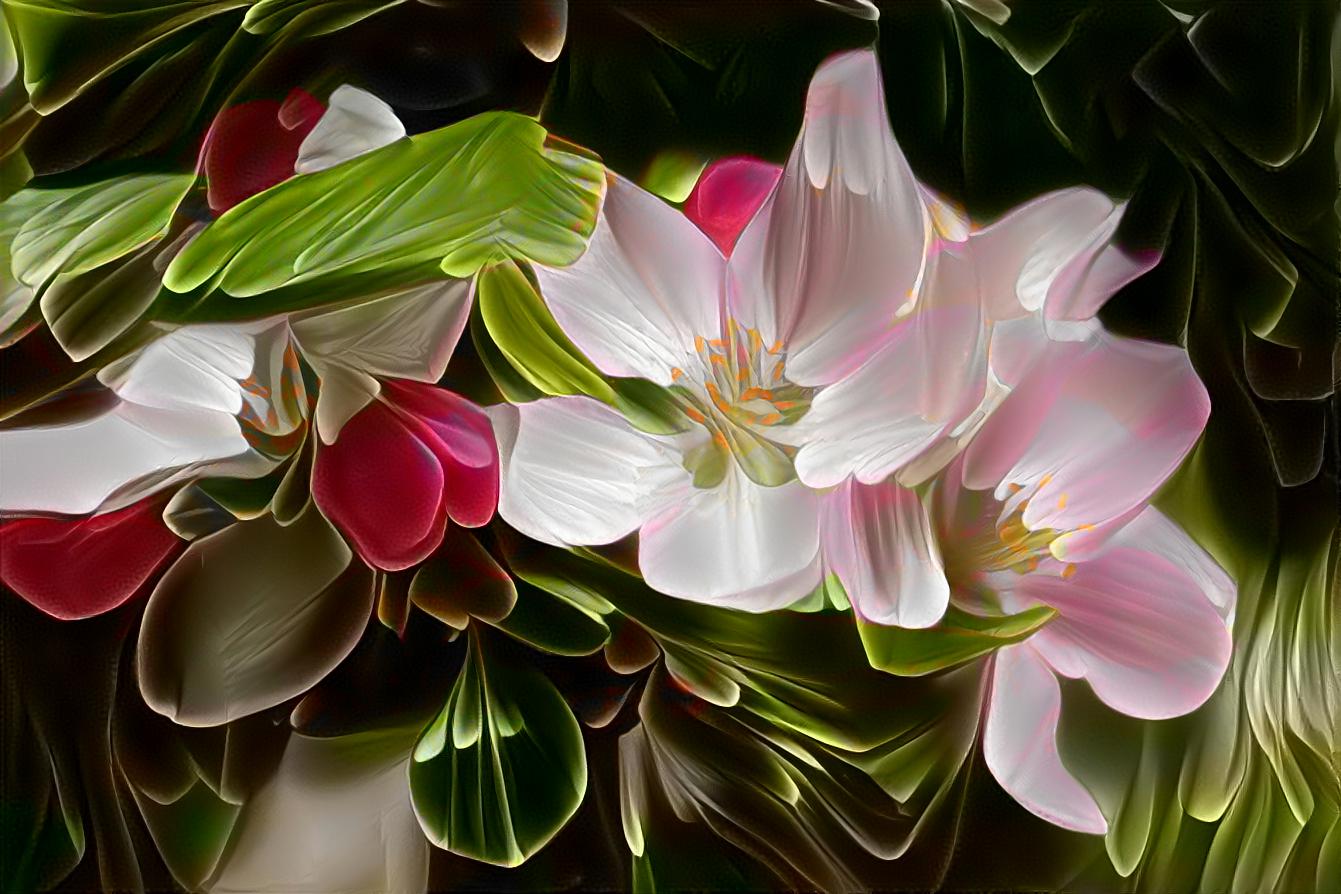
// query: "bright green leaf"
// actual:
[[477, 192], [511, 773], [529, 337]]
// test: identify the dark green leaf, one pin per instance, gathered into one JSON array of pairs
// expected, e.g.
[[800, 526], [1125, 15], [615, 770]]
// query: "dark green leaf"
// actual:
[[502, 767]]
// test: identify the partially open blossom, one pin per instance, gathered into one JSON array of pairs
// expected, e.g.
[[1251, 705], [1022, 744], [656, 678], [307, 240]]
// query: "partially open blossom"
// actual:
[[842, 338], [404, 465], [252, 146]]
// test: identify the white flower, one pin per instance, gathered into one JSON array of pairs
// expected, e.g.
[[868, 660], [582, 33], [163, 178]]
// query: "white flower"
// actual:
[[845, 339]]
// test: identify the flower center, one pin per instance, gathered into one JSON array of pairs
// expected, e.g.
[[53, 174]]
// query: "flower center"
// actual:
[[996, 542], [736, 388]]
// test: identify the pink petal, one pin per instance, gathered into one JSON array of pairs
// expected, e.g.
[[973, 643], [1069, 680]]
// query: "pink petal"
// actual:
[[726, 196], [381, 484], [837, 247], [1140, 628], [460, 435], [252, 146], [878, 540], [1020, 743], [78, 568], [1091, 432]]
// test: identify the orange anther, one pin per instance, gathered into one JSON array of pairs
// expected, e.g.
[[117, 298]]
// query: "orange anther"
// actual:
[[695, 415], [770, 419], [1068, 571]]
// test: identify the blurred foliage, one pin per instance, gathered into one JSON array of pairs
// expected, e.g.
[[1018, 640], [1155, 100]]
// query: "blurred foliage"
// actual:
[[722, 750]]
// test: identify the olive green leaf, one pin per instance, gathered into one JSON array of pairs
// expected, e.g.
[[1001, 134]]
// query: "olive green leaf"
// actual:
[[237, 625], [476, 192], [553, 624], [314, 16], [67, 45], [460, 581], [502, 767], [959, 637]]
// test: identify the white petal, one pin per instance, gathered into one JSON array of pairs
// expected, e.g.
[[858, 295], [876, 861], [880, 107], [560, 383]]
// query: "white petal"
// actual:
[[574, 472], [927, 379], [355, 122], [336, 816], [1091, 432], [878, 540], [1023, 254], [838, 247], [1138, 627], [76, 467], [732, 544], [648, 283], [1020, 743], [192, 368], [409, 334], [344, 392], [406, 335]]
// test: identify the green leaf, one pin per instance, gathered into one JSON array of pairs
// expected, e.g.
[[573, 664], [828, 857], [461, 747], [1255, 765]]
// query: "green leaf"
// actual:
[[959, 637], [530, 338], [511, 384], [72, 230], [67, 45], [314, 16], [477, 192], [649, 406], [87, 311], [553, 624], [673, 173], [461, 580], [502, 767]]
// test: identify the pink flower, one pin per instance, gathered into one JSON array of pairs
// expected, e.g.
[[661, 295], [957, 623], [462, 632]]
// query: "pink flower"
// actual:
[[1050, 506]]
